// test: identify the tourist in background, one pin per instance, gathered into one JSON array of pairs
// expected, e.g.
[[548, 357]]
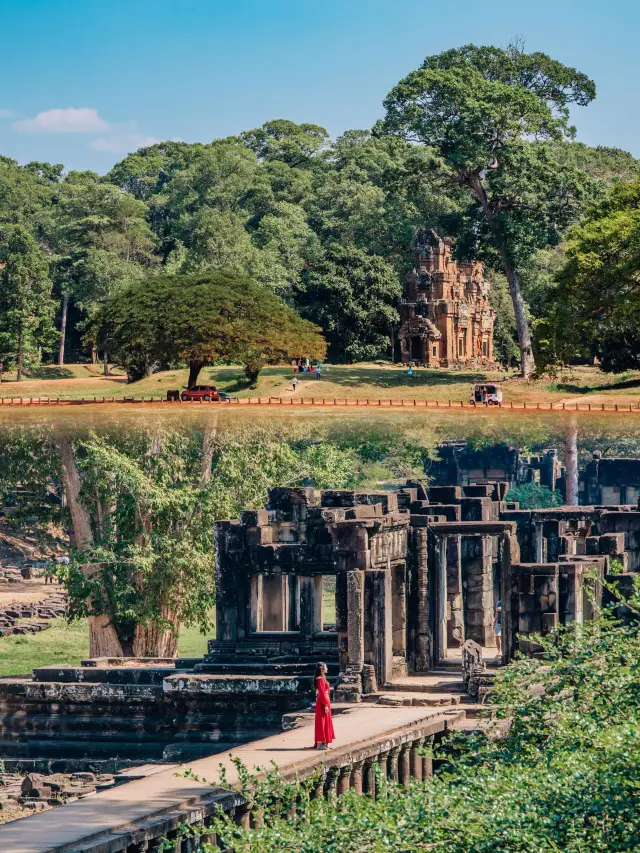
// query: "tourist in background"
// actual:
[[324, 732], [294, 383], [497, 627]]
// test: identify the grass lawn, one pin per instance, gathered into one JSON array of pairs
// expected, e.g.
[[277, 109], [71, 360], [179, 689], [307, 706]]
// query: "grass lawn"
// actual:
[[365, 381], [63, 643], [69, 644]]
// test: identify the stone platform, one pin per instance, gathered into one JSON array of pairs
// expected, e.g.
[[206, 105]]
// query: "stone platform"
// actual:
[[151, 807]]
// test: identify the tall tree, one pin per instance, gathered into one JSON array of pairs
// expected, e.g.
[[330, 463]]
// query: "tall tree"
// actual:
[[26, 307], [102, 240], [478, 108]]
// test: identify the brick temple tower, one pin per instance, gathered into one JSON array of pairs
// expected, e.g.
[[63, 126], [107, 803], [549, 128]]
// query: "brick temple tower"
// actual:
[[445, 316]]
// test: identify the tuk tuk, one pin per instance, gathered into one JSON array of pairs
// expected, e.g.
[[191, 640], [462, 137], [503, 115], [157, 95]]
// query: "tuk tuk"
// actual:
[[486, 394]]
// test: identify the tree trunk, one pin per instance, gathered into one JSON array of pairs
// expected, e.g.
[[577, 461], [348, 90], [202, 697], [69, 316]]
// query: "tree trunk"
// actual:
[[208, 446], [63, 328], [19, 356], [527, 361], [571, 460], [194, 371], [393, 344], [94, 354], [105, 363], [103, 639], [152, 641]]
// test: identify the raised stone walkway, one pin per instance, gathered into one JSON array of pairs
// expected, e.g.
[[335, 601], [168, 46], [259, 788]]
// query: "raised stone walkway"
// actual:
[[116, 819]]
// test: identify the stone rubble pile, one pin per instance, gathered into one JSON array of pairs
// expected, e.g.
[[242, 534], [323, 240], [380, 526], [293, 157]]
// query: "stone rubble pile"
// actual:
[[51, 607], [37, 791]]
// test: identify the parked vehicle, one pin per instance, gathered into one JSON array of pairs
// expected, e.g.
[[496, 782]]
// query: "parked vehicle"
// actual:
[[208, 393], [486, 393]]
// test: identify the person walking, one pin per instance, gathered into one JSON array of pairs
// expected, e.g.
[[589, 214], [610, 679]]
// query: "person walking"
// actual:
[[324, 732], [294, 383]]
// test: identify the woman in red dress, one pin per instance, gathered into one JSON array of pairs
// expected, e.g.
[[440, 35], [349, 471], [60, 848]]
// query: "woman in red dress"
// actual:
[[324, 724]]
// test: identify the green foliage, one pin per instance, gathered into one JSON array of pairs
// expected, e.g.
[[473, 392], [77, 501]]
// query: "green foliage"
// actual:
[[202, 319], [26, 308], [352, 296], [562, 776], [598, 284], [534, 496]]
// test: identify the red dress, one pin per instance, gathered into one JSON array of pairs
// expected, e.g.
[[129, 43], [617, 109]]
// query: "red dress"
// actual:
[[324, 724]]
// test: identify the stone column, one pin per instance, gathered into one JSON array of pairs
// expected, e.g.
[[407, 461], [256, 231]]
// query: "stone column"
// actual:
[[538, 543], [415, 759], [441, 596], [344, 779], [427, 760], [331, 783], [275, 610], [369, 777], [255, 607], [349, 687], [383, 764], [356, 776], [404, 764], [422, 651], [455, 622], [394, 754], [318, 788], [310, 606]]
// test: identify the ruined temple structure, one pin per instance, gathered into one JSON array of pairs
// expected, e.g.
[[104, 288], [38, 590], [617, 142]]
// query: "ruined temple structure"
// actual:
[[461, 464], [445, 316], [378, 584]]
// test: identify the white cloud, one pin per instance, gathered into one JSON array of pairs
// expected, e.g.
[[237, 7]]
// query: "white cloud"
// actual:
[[122, 142], [7, 114], [70, 120]]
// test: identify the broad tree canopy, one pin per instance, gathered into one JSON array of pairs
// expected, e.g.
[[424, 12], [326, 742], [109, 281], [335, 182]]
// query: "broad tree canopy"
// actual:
[[202, 319]]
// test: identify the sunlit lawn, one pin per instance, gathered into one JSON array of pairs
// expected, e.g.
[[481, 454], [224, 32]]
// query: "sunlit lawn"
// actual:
[[65, 643], [365, 381]]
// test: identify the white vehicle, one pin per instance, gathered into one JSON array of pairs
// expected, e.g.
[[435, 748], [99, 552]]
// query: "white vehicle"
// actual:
[[486, 393]]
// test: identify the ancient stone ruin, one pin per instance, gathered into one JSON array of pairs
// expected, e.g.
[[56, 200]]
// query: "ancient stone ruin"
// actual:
[[415, 575], [445, 316]]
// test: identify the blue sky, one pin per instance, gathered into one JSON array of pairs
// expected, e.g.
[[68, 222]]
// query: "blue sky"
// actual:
[[84, 81]]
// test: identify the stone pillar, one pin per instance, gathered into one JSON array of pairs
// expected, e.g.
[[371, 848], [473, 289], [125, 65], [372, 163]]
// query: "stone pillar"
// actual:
[[441, 597], [356, 776], [344, 779], [369, 777], [331, 783], [455, 623], [399, 610], [422, 651], [255, 606], [416, 759], [318, 789], [427, 760], [394, 755], [349, 687], [275, 610], [310, 606], [383, 765], [479, 589], [538, 543], [404, 764]]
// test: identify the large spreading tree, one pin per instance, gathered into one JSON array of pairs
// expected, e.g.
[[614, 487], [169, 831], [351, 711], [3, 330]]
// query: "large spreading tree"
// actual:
[[203, 319], [483, 111]]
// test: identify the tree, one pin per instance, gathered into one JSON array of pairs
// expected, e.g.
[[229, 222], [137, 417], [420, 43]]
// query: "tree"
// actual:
[[201, 319], [352, 296], [478, 108], [599, 286], [26, 307], [101, 239]]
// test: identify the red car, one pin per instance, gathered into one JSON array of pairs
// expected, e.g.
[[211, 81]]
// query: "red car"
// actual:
[[208, 393]]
